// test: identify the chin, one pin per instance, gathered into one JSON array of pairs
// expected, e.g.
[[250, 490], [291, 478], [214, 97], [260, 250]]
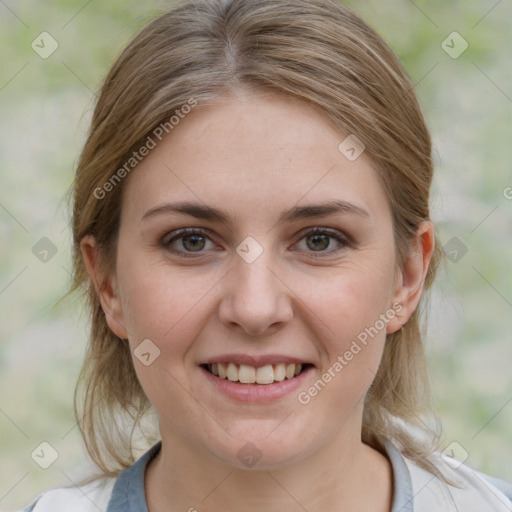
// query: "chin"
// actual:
[[263, 450]]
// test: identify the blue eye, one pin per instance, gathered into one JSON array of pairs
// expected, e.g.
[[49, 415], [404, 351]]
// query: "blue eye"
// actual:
[[192, 242]]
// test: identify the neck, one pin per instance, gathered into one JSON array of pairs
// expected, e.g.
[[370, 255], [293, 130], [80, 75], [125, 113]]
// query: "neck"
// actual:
[[344, 474]]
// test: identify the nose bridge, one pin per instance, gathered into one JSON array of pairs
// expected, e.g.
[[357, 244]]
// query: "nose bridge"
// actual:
[[254, 275], [255, 298]]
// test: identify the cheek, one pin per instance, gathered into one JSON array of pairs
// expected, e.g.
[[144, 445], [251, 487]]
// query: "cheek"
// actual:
[[349, 301], [350, 314], [162, 306], [165, 305]]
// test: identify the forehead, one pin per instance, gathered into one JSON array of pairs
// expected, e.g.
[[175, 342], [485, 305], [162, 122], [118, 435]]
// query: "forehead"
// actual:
[[253, 150]]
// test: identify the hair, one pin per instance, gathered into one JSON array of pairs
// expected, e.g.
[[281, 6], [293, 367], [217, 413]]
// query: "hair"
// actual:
[[317, 51]]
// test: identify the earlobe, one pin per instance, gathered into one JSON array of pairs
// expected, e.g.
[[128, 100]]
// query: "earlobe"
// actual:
[[105, 286], [411, 278]]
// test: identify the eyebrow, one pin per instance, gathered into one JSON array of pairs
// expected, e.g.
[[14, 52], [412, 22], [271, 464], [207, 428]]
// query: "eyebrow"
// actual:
[[296, 213]]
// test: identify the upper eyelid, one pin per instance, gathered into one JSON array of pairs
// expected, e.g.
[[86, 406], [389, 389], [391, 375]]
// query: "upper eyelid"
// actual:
[[311, 231]]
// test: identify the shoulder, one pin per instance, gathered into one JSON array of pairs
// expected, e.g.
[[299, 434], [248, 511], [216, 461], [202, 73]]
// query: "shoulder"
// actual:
[[468, 490], [91, 497]]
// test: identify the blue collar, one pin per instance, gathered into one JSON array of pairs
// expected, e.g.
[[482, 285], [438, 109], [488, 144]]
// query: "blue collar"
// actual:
[[128, 494]]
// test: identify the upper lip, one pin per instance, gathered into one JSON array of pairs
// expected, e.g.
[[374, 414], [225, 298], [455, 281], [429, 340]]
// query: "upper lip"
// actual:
[[255, 360]]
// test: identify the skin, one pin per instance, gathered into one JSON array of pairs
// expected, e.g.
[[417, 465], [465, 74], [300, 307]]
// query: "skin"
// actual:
[[255, 156]]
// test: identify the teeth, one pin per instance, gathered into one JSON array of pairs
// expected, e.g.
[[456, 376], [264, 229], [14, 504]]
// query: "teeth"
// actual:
[[279, 372], [232, 372], [264, 374], [247, 374]]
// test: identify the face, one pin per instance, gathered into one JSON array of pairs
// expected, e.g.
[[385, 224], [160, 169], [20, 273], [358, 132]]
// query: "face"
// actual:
[[287, 259]]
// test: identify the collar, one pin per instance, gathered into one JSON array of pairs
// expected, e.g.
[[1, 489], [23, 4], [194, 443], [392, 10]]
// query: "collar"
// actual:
[[128, 494]]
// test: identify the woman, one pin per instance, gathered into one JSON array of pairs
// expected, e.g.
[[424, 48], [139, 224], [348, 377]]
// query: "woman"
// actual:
[[251, 216]]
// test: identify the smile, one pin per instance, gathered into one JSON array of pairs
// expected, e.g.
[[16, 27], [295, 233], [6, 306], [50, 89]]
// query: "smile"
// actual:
[[246, 374]]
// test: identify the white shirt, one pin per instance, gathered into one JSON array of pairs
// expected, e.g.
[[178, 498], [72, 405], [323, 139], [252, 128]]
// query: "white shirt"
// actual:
[[415, 490]]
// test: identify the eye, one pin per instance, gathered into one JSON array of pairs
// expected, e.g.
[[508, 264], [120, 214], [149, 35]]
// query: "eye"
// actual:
[[187, 241], [190, 242], [319, 239]]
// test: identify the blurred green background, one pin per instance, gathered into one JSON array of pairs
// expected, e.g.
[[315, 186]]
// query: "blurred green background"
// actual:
[[45, 105]]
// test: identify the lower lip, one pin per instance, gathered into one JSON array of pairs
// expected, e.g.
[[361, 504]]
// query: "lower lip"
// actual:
[[257, 392]]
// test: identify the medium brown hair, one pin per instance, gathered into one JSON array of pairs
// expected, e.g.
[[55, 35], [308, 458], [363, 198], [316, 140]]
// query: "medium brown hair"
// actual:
[[317, 51]]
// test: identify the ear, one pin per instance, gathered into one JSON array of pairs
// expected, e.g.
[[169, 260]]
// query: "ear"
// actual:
[[105, 286], [411, 278]]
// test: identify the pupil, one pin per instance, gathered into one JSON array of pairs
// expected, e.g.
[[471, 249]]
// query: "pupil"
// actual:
[[196, 242], [323, 245]]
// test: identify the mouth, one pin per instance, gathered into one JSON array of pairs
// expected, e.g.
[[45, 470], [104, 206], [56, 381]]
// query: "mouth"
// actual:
[[263, 375]]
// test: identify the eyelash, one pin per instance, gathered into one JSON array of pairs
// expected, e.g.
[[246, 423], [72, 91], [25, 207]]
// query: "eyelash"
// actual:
[[182, 233]]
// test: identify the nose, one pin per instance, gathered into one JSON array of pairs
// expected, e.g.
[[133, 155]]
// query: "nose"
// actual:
[[255, 299]]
